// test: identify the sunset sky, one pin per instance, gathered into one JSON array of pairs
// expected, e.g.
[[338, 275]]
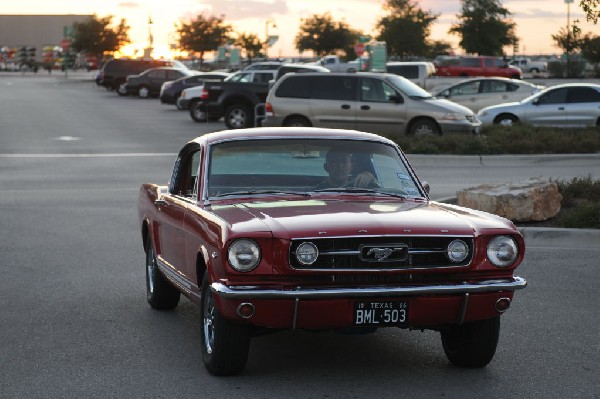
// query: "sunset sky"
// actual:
[[536, 19]]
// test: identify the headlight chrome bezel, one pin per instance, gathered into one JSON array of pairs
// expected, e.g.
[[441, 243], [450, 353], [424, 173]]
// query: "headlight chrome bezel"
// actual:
[[307, 253], [457, 251], [244, 255], [502, 251]]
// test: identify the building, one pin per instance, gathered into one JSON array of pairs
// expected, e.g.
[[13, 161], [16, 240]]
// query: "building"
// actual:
[[37, 31]]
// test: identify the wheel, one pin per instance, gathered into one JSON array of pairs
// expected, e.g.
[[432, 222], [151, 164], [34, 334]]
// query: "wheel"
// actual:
[[143, 92], [178, 104], [422, 127], [506, 120], [534, 70], [471, 344], [121, 90], [238, 117], [225, 345], [297, 121], [160, 293], [196, 112]]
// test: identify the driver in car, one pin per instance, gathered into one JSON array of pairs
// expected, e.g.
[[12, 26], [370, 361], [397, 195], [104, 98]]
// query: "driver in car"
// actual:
[[339, 165]]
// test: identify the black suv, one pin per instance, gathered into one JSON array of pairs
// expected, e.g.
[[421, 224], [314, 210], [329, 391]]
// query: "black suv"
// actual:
[[115, 72], [149, 82]]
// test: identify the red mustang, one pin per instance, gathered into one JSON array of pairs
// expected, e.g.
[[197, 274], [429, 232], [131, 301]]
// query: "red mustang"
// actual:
[[304, 228]]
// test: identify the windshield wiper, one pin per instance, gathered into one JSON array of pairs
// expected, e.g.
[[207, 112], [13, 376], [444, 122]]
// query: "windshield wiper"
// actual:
[[255, 192], [357, 190]]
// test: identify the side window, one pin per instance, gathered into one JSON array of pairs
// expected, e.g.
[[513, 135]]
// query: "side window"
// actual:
[[342, 88], [372, 90], [262, 77], [184, 180], [583, 95], [466, 89], [294, 87], [558, 96], [172, 75], [156, 74], [489, 62], [498, 87]]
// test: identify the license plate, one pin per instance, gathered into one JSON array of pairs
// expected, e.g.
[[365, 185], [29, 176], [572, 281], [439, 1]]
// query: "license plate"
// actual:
[[380, 313]]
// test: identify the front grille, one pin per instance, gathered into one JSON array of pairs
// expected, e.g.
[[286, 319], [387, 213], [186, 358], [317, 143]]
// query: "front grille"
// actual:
[[381, 253]]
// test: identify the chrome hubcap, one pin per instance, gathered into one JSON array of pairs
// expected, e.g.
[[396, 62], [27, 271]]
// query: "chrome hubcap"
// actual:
[[209, 320], [237, 118], [143, 92]]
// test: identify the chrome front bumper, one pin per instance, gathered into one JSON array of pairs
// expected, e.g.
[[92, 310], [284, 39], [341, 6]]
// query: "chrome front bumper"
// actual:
[[255, 292]]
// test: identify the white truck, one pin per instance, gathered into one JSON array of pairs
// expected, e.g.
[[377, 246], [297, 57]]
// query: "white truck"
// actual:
[[527, 65], [335, 64]]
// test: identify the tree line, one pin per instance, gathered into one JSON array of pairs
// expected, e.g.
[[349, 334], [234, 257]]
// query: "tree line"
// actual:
[[483, 27]]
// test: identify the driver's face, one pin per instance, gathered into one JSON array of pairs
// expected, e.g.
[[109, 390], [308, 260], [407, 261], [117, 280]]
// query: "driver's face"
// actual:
[[339, 166]]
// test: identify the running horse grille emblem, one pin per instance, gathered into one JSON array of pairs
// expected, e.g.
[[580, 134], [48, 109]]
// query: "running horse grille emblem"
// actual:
[[392, 253]]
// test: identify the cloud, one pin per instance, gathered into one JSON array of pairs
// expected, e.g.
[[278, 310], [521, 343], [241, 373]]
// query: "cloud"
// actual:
[[129, 4], [242, 9]]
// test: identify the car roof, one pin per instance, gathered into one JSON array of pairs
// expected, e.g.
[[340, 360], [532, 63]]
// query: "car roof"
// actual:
[[289, 133]]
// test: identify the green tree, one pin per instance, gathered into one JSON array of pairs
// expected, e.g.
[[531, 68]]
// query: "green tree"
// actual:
[[323, 35], [405, 28], [569, 40], [484, 27], [590, 49], [251, 44], [591, 9], [97, 36], [203, 34]]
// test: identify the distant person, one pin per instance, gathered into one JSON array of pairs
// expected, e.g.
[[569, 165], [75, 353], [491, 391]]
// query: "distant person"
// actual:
[[339, 166]]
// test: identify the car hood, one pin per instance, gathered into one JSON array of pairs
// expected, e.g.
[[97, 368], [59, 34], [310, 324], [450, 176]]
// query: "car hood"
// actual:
[[502, 107], [330, 218], [443, 105]]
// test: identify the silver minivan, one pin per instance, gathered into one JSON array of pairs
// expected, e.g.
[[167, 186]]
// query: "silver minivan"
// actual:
[[373, 102]]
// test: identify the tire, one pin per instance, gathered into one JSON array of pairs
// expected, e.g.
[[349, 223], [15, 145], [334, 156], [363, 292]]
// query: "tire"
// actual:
[[471, 344], [196, 112], [143, 92], [225, 345], [424, 127], [297, 121], [121, 90], [160, 293], [238, 117], [506, 120], [178, 105], [534, 70]]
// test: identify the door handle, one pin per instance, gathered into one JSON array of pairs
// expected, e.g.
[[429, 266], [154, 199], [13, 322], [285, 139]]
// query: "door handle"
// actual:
[[365, 107], [160, 202], [345, 106]]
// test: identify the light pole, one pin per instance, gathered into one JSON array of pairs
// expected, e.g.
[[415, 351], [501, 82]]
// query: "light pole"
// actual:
[[268, 22]]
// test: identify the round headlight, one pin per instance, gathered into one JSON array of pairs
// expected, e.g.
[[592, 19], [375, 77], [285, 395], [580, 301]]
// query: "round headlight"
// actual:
[[502, 251], [457, 251], [243, 255], [307, 253]]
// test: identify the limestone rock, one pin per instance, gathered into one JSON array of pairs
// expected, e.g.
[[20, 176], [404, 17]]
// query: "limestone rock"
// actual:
[[530, 200]]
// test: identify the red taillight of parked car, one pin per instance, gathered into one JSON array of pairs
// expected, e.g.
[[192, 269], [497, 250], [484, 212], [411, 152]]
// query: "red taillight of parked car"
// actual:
[[269, 110], [204, 94]]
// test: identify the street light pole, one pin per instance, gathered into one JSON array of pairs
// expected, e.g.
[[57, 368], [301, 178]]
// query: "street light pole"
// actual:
[[268, 22]]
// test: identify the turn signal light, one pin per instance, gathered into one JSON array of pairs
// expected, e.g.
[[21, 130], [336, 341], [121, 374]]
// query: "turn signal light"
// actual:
[[502, 304], [245, 310]]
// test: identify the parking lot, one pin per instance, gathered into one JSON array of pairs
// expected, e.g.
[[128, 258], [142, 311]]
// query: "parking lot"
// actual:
[[75, 322]]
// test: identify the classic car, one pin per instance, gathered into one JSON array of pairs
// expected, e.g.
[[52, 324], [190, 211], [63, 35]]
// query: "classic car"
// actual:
[[321, 229]]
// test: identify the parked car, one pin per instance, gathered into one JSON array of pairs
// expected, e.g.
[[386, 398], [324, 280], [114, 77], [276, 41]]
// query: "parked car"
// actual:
[[171, 90], [251, 230], [263, 65], [565, 105], [148, 83], [114, 72], [417, 72], [374, 102], [234, 99], [477, 93], [479, 66]]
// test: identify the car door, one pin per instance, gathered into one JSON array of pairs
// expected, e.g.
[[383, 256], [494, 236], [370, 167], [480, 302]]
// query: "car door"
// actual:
[[172, 208], [493, 92], [467, 94], [379, 110], [333, 101], [156, 78], [583, 108], [549, 109]]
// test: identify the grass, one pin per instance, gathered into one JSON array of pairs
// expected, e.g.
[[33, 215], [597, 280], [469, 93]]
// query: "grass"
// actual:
[[497, 140]]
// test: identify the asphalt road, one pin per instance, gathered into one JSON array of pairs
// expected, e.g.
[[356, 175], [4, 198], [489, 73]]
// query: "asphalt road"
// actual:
[[74, 322]]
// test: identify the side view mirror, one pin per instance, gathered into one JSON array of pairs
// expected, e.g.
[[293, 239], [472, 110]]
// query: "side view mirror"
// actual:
[[426, 186], [396, 98]]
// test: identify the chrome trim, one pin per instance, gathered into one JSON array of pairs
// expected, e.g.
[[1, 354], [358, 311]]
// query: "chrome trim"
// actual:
[[247, 292], [173, 275]]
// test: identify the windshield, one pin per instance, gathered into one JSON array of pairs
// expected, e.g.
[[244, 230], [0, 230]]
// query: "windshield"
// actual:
[[308, 166], [407, 87]]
